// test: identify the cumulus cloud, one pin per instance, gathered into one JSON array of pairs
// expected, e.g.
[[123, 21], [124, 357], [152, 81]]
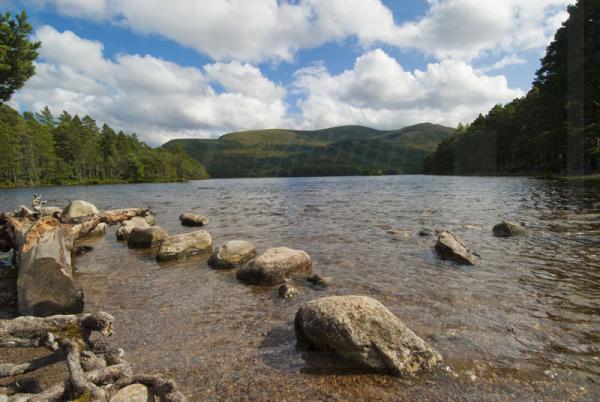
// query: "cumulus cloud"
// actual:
[[465, 29], [157, 98], [259, 30], [379, 92]]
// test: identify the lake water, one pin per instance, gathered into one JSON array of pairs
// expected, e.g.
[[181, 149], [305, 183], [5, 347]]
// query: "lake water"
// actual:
[[524, 325]]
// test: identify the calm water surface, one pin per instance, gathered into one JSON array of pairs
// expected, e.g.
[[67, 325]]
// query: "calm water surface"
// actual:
[[524, 325]]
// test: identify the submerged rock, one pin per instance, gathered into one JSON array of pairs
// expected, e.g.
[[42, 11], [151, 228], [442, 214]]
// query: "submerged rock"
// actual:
[[127, 226], [287, 292], [450, 247], [232, 254], [365, 333], [81, 250], [183, 245], [189, 219], [274, 266], [319, 281], [146, 237], [79, 208], [425, 233], [134, 393], [508, 229]]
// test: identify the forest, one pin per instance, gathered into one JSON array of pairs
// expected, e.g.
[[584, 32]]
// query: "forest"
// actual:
[[39, 149], [554, 129]]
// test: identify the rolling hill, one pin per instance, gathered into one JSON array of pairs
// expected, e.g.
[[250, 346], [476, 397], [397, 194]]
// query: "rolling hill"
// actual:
[[336, 151]]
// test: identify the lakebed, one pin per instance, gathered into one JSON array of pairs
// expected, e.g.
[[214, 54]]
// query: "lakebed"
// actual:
[[523, 324]]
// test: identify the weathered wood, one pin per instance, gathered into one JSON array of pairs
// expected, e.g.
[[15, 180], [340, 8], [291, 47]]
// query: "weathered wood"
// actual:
[[8, 369], [115, 216], [81, 385], [74, 231], [33, 331]]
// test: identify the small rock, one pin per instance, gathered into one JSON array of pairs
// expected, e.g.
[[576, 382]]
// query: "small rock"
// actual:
[[274, 266], [183, 245], [134, 393], [449, 246], [319, 281], [189, 219], [287, 292], [146, 237], [232, 254], [363, 332], [99, 230], [79, 208], [399, 233], [508, 229], [80, 250]]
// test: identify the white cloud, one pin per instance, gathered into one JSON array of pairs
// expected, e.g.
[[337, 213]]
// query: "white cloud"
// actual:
[[156, 98], [466, 29], [378, 92], [259, 30]]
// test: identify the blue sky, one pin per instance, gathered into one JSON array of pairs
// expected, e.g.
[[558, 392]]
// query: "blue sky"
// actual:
[[200, 68]]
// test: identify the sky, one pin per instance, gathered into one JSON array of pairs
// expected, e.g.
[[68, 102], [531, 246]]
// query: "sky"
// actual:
[[202, 68]]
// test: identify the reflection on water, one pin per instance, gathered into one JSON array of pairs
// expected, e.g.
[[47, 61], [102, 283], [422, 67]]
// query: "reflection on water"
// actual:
[[523, 325]]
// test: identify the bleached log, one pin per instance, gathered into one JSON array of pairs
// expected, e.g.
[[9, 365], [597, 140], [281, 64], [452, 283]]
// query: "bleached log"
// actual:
[[115, 216]]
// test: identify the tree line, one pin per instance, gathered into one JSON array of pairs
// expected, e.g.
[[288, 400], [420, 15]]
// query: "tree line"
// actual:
[[39, 149], [555, 128]]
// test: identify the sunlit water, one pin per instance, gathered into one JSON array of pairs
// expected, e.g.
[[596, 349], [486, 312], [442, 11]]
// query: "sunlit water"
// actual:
[[524, 325]]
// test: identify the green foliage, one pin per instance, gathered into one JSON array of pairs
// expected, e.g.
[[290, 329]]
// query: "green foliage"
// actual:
[[555, 129], [41, 150], [337, 151], [17, 53]]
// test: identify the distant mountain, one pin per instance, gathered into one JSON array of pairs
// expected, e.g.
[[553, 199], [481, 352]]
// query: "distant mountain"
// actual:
[[346, 150]]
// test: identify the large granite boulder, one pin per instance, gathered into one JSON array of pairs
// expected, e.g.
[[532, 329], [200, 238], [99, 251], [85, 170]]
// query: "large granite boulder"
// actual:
[[127, 226], [45, 285], [232, 254], [183, 245], [189, 219], [78, 208], [450, 247], [508, 229], [134, 393], [364, 333], [146, 237], [274, 266]]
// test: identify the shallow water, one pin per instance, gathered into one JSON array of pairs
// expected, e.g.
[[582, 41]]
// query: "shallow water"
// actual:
[[524, 325]]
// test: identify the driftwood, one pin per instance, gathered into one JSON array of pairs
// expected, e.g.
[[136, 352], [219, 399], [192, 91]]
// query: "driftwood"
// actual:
[[95, 374]]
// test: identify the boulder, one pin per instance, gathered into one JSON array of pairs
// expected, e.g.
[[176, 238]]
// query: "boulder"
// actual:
[[134, 393], [146, 237], [232, 254], [149, 218], [127, 226], [45, 285], [287, 292], [189, 219], [274, 266], [183, 245], [450, 247], [79, 208], [508, 229], [364, 333]]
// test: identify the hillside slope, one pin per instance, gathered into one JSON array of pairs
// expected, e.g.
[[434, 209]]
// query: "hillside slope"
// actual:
[[346, 150]]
